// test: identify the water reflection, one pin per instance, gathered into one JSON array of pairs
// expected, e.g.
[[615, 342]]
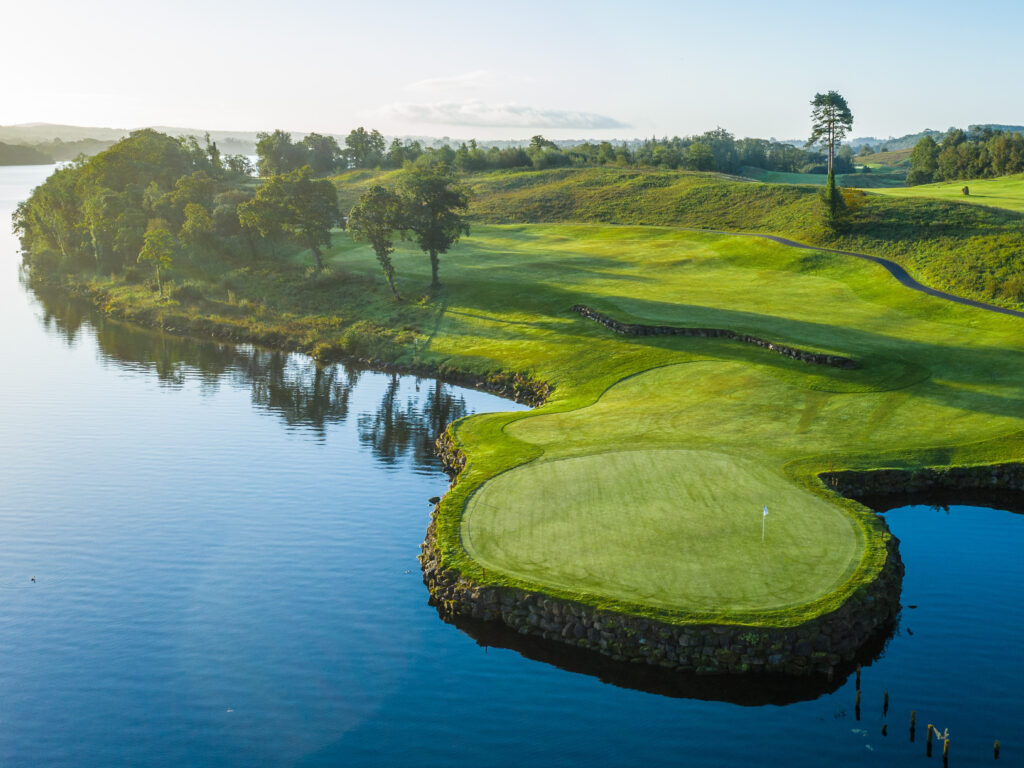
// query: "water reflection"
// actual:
[[744, 690], [396, 430], [293, 387]]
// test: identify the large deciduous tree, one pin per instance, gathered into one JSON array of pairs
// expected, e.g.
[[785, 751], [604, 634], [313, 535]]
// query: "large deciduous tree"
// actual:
[[831, 120], [924, 161], [374, 219], [297, 205], [364, 149], [277, 153], [322, 153], [433, 211]]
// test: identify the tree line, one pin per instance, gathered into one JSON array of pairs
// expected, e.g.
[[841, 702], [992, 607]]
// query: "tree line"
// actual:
[[978, 153], [151, 199], [716, 150]]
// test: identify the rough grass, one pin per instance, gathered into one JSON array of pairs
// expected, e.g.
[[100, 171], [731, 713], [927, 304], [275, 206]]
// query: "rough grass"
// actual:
[[1002, 192], [898, 158]]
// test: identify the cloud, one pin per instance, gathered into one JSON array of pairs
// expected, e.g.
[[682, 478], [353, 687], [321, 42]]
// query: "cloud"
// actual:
[[482, 115], [481, 78]]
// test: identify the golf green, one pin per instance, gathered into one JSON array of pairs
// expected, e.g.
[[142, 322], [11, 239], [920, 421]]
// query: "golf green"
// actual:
[[673, 528]]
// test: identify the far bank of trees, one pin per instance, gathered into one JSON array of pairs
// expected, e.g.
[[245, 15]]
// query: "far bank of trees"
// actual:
[[152, 201], [716, 150], [982, 152]]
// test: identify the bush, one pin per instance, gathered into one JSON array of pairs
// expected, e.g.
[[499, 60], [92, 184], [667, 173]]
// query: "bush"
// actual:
[[187, 293]]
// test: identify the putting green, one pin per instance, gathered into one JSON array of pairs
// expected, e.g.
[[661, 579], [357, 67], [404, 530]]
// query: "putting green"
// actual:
[[678, 529]]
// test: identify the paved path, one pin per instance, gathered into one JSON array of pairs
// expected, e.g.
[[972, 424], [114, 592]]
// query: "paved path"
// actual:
[[894, 269]]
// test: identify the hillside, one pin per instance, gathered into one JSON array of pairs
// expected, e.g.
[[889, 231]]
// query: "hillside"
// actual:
[[16, 155], [967, 250]]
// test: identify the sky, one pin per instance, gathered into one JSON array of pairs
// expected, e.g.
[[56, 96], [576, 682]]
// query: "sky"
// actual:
[[510, 70]]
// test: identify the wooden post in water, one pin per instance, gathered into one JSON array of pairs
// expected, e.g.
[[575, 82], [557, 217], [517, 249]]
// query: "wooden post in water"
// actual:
[[858, 677], [885, 729], [913, 723], [928, 747], [945, 753], [995, 750], [885, 705], [857, 707]]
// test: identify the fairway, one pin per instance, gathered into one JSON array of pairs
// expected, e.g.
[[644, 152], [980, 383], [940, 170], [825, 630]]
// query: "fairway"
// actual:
[[1003, 192], [677, 529]]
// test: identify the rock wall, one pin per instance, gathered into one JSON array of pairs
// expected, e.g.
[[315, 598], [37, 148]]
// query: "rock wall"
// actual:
[[881, 482], [834, 361]]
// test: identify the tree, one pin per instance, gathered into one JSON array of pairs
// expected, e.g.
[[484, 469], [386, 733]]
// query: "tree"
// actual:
[[322, 153], [833, 203], [158, 247], [265, 212], [297, 205], [278, 154], [700, 158], [374, 219], [924, 162], [197, 230], [364, 149], [831, 120], [433, 203]]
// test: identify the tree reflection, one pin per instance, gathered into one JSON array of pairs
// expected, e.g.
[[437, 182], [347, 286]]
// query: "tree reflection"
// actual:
[[410, 414], [399, 429]]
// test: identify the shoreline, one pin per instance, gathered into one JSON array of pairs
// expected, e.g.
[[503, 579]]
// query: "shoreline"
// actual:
[[515, 386]]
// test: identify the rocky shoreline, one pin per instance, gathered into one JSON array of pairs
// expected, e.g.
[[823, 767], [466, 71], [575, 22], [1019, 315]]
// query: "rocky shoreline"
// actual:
[[628, 329]]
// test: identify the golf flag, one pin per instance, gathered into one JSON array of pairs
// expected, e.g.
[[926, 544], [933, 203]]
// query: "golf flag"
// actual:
[[763, 518], [765, 510]]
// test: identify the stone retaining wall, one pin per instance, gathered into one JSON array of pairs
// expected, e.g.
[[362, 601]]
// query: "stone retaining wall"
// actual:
[[628, 329], [882, 482]]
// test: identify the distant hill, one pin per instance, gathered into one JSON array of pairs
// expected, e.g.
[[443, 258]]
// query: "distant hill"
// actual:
[[47, 134], [908, 141], [11, 154]]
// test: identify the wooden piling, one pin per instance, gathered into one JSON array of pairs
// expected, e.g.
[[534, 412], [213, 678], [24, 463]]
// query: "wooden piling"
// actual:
[[995, 750], [945, 752], [928, 746], [885, 704], [913, 723]]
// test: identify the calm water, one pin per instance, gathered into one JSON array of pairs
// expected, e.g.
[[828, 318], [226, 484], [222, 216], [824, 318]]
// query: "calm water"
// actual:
[[224, 544]]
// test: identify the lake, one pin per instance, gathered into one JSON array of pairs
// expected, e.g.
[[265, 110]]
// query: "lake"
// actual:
[[223, 544]]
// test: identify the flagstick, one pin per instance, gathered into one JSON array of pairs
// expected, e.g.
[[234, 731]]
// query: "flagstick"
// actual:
[[764, 519]]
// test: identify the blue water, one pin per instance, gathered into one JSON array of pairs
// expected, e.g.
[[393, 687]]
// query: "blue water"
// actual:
[[224, 544]]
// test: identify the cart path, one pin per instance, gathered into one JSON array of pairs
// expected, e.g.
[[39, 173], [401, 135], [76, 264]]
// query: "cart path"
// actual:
[[894, 269]]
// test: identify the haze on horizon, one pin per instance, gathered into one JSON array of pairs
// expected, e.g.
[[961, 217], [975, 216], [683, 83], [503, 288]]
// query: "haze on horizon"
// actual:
[[567, 69]]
